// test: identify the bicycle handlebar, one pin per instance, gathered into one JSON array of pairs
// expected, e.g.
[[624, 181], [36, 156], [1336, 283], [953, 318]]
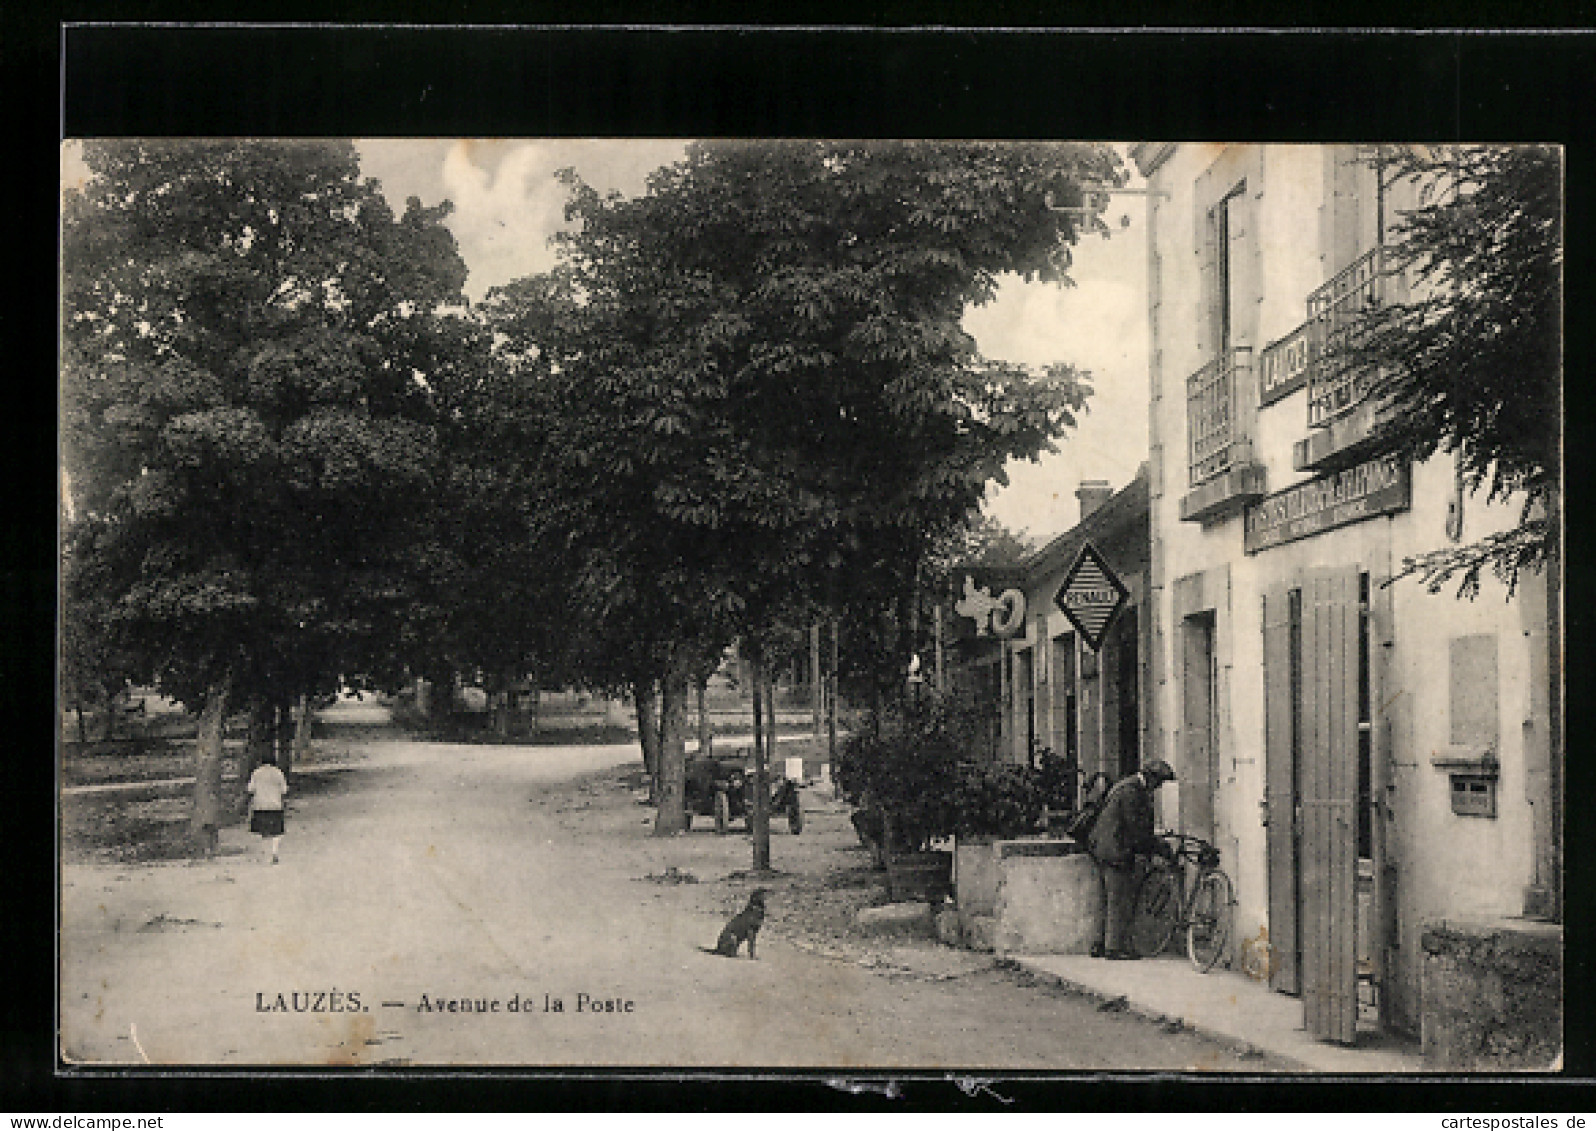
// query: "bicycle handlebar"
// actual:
[[1192, 848]]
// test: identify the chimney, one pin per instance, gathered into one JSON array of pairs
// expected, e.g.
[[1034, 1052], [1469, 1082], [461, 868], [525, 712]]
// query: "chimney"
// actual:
[[1092, 493]]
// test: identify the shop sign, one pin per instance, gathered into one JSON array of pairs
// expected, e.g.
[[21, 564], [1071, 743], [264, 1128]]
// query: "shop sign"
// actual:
[[987, 603], [1283, 366], [1378, 487], [1091, 596]]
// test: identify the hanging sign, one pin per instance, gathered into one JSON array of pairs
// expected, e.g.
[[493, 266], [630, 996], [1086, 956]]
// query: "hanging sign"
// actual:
[[980, 612], [1380, 486], [1091, 596], [1283, 366]]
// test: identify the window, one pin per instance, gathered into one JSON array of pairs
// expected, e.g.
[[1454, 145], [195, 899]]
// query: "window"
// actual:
[[1228, 230]]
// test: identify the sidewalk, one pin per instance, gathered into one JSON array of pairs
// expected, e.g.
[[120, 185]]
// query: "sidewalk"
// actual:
[[1224, 1005]]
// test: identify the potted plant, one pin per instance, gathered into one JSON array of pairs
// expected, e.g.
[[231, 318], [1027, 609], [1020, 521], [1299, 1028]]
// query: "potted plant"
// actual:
[[900, 769]]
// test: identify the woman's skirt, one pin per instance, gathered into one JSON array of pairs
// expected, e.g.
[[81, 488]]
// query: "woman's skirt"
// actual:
[[267, 822]]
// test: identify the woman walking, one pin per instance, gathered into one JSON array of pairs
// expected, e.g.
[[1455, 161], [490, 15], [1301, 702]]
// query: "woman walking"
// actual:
[[267, 787]]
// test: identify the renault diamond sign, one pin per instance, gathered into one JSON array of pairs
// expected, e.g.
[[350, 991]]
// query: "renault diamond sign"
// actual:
[[1091, 596]]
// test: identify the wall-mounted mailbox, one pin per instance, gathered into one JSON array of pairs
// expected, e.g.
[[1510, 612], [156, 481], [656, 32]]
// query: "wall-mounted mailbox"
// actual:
[[1473, 795], [1471, 777]]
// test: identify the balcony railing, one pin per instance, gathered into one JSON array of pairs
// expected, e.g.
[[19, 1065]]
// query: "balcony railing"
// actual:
[[1333, 309], [1217, 442]]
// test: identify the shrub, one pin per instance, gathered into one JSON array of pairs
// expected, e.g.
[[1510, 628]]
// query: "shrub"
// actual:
[[1055, 780], [998, 799], [904, 760], [912, 762]]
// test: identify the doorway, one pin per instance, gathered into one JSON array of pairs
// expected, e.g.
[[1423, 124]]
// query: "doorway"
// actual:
[[1198, 770], [1066, 708], [1025, 680], [1319, 768]]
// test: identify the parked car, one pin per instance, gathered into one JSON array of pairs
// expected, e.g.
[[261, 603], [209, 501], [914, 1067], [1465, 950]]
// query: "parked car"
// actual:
[[722, 786]]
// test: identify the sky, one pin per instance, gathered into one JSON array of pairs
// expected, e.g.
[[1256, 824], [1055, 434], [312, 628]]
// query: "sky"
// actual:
[[507, 204]]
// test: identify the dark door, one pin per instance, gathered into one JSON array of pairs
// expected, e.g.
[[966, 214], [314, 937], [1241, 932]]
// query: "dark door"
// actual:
[[1066, 728]]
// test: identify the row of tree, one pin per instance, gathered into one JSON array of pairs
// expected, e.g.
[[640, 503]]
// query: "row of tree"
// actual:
[[741, 404]]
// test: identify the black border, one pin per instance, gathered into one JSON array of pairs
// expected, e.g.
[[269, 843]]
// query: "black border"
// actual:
[[663, 82]]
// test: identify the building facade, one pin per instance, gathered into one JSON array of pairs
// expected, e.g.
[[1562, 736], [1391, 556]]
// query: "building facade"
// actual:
[[1370, 758], [1076, 685]]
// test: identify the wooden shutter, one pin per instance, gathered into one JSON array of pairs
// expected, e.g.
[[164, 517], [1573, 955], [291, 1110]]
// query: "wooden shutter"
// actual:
[[1329, 781], [1280, 790], [1197, 764]]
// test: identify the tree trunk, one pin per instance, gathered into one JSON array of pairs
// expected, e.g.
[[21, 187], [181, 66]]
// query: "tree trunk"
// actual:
[[648, 733], [205, 815], [759, 812], [817, 697], [672, 816], [283, 711], [831, 701], [257, 747], [504, 723], [758, 688], [771, 749], [299, 747], [441, 699], [706, 732]]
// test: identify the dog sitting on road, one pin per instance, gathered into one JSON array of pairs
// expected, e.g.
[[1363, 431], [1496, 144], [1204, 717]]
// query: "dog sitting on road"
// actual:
[[742, 926]]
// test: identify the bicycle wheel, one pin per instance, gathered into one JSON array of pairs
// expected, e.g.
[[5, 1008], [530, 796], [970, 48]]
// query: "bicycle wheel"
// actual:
[[1154, 912], [1208, 924]]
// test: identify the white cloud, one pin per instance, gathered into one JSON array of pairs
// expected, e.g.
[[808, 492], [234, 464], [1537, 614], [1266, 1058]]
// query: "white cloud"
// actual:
[[505, 211], [507, 202]]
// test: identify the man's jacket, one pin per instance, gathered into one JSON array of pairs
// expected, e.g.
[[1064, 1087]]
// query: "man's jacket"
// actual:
[[1125, 827]]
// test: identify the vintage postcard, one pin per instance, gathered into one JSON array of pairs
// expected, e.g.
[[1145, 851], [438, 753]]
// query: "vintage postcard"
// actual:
[[684, 604]]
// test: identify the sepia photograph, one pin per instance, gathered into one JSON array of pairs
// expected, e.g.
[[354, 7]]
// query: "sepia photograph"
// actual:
[[801, 603]]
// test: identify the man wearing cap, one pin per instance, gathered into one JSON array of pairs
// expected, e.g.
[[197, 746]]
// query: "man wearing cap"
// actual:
[[1123, 833]]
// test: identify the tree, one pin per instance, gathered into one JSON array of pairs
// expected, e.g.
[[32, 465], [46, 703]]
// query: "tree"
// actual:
[[1471, 361], [767, 396], [249, 336]]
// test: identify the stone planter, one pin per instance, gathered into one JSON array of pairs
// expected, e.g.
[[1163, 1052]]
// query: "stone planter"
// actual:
[[1050, 898], [975, 875], [1492, 995], [919, 875]]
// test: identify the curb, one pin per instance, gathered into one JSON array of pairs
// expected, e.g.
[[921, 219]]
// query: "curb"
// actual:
[[1150, 1013]]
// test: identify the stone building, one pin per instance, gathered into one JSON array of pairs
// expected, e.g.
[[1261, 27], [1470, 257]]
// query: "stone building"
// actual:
[[1073, 684], [1380, 766]]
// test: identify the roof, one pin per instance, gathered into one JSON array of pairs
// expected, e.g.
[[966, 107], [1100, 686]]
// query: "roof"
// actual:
[[1118, 516], [1150, 155]]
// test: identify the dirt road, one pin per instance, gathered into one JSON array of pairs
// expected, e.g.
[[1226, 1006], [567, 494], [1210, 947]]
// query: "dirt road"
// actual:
[[491, 905]]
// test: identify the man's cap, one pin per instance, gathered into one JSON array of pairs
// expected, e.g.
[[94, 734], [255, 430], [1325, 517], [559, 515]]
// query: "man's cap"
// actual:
[[1160, 769]]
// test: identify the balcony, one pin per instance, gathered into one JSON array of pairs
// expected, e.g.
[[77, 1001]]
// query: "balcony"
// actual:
[[1333, 310], [1220, 405]]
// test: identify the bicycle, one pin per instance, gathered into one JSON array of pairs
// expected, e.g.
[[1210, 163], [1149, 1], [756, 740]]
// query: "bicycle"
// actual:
[[1202, 906]]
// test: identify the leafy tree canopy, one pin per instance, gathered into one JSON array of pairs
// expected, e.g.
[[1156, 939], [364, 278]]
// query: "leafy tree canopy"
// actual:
[[251, 339], [1471, 361], [771, 336]]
